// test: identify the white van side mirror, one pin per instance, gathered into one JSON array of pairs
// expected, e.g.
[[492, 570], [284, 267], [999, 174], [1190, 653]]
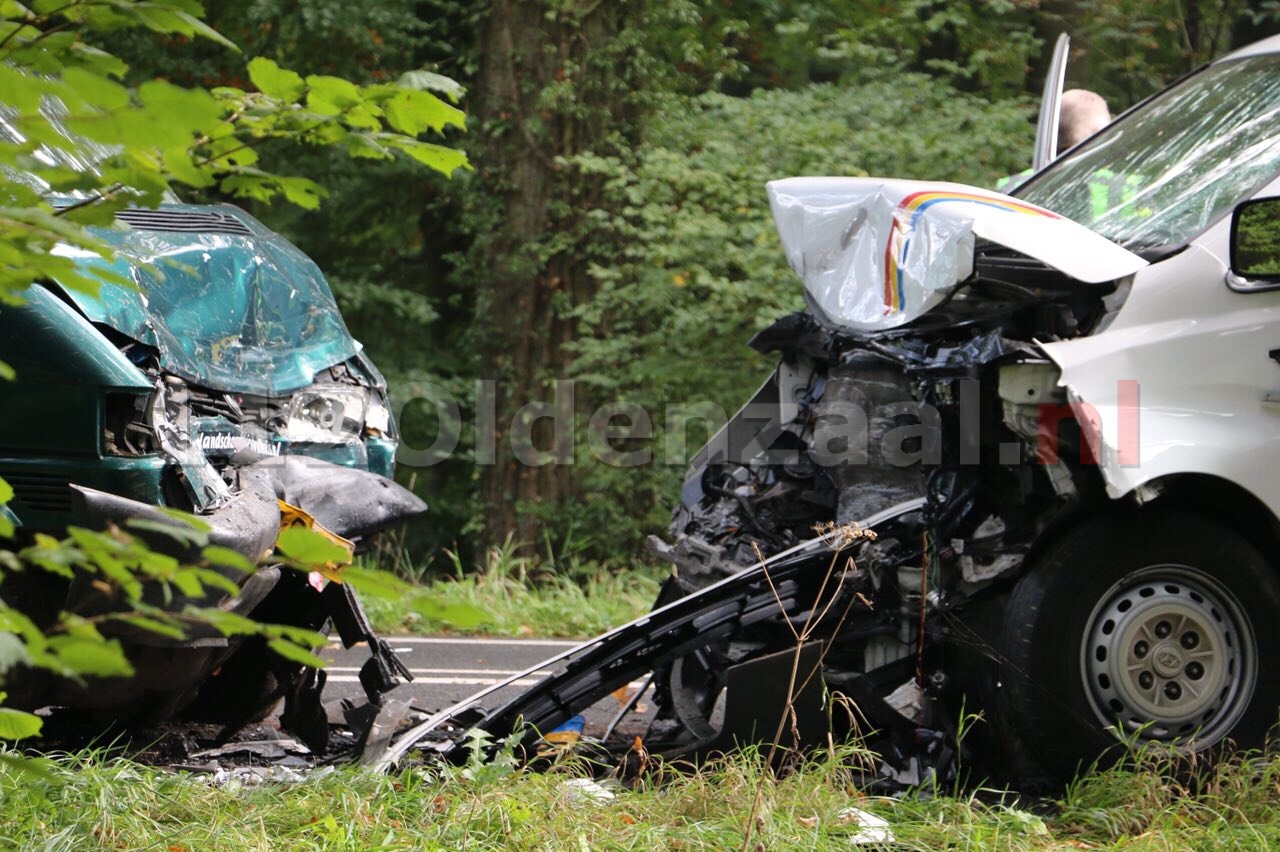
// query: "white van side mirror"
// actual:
[[1255, 246]]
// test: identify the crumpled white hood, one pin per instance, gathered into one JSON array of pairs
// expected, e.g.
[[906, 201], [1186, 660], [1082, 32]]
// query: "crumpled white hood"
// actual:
[[876, 253]]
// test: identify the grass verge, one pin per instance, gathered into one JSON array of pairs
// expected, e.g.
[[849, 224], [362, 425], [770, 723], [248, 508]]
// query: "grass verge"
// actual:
[[510, 595], [91, 800]]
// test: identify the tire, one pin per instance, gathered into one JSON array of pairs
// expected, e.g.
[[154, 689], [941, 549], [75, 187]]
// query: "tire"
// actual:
[[1151, 627]]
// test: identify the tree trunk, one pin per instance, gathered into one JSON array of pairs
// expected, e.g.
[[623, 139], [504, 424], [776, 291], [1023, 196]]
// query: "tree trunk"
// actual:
[[553, 84]]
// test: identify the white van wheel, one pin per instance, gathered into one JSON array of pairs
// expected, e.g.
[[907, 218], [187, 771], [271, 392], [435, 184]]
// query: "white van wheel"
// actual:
[[1168, 654], [1142, 628]]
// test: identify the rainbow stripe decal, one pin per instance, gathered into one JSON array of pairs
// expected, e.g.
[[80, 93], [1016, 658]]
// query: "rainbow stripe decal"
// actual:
[[909, 211]]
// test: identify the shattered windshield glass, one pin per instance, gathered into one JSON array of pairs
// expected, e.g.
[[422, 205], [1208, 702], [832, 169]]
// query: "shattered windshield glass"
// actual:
[[227, 303], [1162, 174]]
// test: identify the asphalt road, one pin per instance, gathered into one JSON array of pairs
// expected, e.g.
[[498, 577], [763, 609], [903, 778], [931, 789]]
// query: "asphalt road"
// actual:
[[445, 669], [449, 669]]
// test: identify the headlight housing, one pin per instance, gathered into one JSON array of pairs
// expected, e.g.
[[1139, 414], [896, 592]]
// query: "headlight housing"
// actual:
[[327, 414]]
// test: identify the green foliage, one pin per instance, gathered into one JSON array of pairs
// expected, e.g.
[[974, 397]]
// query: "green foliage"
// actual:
[[17, 725], [1128, 49], [72, 127], [136, 587], [6, 494], [306, 546], [488, 760], [1256, 250], [364, 42], [977, 45]]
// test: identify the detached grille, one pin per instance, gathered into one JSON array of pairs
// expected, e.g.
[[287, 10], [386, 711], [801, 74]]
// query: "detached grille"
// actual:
[[180, 221], [39, 492]]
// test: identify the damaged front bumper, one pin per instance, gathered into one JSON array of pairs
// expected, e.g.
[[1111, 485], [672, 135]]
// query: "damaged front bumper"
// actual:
[[769, 640], [234, 680]]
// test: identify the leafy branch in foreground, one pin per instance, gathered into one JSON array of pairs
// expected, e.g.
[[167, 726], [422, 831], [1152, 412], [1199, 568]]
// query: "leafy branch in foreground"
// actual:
[[69, 128], [134, 589], [76, 146]]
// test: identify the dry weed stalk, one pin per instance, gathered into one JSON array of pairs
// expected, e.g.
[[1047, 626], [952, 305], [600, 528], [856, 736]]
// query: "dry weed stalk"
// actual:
[[838, 537]]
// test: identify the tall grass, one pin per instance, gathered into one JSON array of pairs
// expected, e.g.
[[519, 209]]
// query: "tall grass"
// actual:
[[519, 595], [92, 800]]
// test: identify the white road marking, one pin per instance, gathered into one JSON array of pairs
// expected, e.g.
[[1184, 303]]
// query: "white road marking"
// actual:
[[478, 677], [457, 681], [446, 681], [507, 672], [467, 640]]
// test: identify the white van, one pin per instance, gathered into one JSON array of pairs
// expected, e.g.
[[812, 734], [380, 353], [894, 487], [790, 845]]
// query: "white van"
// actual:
[[1082, 384]]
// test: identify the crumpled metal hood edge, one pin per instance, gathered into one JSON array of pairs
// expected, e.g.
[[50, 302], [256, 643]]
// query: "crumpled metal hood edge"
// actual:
[[232, 306]]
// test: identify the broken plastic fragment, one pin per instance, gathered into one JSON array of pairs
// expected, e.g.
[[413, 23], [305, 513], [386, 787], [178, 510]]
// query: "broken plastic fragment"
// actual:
[[872, 829], [908, 699], [586, 790], [568, 733]]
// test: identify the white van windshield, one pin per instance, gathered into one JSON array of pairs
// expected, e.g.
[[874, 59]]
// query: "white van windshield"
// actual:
[[1161, 174]]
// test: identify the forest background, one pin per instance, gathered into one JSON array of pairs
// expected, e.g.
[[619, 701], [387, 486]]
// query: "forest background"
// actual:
[[613, 230]]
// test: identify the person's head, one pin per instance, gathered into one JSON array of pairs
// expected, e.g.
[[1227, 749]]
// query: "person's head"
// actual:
[[1083, 113]]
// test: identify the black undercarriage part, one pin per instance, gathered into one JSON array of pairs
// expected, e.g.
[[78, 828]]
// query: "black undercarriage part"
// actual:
[[793, 603]]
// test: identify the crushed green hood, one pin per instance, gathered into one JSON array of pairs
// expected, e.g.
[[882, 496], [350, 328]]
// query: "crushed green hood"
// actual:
[[228, 303]]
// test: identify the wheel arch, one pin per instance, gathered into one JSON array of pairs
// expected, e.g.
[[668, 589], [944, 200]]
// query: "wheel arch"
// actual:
[[1224, 501], [1213, 497]]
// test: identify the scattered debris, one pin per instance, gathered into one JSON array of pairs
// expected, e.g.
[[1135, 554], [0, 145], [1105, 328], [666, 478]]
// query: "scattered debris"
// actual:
[[580, 790], [256, 776], [264, 749], [871, 828]]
